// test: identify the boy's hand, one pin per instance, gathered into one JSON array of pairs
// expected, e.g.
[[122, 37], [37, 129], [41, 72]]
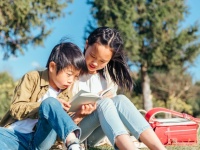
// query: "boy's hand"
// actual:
[[66, 105]]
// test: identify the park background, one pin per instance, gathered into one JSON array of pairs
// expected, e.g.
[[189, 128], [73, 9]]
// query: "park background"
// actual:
[[184, 84], [73, 26], [178, 90]]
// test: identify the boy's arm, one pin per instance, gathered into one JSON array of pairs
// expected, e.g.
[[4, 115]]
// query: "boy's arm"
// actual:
[[22, 107]]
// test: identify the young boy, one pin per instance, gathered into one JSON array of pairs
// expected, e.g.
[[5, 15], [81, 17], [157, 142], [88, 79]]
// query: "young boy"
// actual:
[[37, 114]]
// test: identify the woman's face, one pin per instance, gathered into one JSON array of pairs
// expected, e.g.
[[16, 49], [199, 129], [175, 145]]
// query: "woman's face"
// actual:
[[97, 57]]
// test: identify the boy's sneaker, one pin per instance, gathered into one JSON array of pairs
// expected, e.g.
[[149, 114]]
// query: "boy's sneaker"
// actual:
[[74, 145]]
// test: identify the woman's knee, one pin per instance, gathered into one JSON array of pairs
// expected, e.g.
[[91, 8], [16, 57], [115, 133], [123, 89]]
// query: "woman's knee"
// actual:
[[104, 103], [121, 99]]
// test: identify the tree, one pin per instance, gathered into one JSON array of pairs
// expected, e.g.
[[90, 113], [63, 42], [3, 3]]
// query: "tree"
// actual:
[[25, 22], [7, 86], [195, 102], [153, 39], [175, 90]]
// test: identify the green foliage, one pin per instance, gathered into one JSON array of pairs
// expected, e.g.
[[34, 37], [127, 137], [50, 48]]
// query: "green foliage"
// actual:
[[195, 101], [153, 39], [24, 22], [175, 91], [151, 31], [7, 86]]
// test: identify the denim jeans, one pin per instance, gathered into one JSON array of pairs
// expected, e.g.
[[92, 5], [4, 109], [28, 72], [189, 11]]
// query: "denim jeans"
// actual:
[[113, 117], [53, 121]]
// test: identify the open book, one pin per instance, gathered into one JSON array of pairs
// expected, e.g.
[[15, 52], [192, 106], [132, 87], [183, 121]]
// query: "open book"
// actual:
[[83, 97]]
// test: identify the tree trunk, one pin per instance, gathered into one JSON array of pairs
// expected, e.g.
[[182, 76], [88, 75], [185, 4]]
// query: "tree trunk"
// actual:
[[146, 91]]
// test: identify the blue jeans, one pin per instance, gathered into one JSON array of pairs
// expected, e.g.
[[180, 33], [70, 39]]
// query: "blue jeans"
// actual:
[[53, 121], [112, 118]]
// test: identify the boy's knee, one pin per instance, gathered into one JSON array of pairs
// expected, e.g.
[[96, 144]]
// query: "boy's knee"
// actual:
[[50, 103]]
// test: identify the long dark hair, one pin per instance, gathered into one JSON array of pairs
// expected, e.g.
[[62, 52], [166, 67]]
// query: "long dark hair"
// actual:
[[117, 66]]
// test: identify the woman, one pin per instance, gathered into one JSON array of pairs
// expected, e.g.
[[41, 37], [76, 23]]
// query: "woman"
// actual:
[[114, 114]]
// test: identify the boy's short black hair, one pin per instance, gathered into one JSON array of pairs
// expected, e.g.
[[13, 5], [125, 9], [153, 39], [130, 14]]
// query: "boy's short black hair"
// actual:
[[67, 54]]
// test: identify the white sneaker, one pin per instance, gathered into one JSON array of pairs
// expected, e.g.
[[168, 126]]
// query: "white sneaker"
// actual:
[[74, 146]]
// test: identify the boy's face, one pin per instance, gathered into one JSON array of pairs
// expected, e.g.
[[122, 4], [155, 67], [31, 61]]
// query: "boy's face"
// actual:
[[64, 78]]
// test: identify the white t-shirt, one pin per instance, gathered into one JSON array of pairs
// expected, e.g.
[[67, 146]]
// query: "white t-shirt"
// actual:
[[93, 83], [26, 125]]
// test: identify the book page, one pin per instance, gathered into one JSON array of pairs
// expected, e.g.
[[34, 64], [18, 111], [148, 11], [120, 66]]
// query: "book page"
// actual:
[[89, 95], [105, 92], [82, 98]]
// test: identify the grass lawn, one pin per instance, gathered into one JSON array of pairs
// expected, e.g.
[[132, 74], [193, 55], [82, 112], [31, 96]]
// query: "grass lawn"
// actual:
[[172, 147], [194, 147], [168, 148]]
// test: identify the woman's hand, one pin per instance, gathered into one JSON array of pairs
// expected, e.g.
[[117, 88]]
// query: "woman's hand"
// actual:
[[108, 93], [86, 109], [66, 105]]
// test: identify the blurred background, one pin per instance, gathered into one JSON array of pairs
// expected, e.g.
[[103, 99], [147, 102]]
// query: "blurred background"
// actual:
[[161, 42]]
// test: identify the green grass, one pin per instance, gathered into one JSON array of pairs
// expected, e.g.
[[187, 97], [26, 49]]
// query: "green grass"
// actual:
[[168, 148], [197, 147], [171, 147]]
